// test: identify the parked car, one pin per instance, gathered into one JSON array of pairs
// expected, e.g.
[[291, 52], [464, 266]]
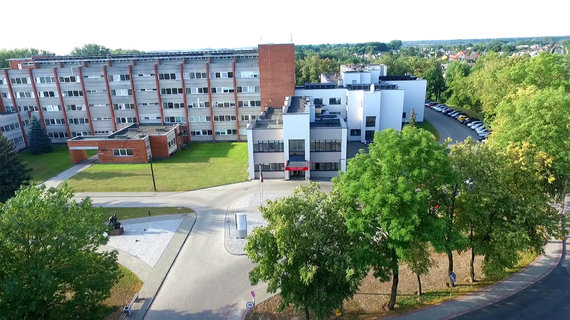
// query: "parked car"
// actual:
[[474, 123], [459, 114], [480, 130], [461, 117]]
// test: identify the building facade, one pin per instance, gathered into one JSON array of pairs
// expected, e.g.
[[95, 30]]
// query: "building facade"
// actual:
[[212, 95]]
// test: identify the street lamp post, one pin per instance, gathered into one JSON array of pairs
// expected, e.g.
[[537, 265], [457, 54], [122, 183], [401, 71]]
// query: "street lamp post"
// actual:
[[152, 173]]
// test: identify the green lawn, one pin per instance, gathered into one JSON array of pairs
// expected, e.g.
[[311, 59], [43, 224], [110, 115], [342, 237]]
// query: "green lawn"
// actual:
[[202, 165], [122, 293], [47, 165], [130, 213], [429, 127]]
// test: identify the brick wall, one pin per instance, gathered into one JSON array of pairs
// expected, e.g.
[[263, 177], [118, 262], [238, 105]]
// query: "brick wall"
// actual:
[[106, 150], [159, 147], [276, 73]]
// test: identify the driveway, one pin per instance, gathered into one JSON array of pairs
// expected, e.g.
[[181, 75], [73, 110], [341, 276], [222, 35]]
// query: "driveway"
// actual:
[[448, 127], [205, 281]]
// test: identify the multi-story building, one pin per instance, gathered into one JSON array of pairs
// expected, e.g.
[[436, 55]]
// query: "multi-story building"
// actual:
[[308, 136], [212, 95]]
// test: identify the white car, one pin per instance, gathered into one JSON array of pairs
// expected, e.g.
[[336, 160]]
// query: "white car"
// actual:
[[474, 123]]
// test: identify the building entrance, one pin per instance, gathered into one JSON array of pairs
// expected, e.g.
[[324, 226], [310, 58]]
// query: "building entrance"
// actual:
[[297, 175]]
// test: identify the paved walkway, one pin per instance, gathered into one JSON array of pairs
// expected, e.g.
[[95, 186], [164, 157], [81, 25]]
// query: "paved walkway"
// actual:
[[153, 276], [53, 182]]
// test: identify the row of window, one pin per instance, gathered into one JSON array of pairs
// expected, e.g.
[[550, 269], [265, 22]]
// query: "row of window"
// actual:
[[27, 108], [325, 166], [123, 106], [268, 146], [172, 142], [119, 77], [123, 152], [274, 166], [18, 140], [224, 118], [175, 119], [79, 134], [201, 132], [72, 93], [10, 127], [58, 135], [326, 145], [226, 132]]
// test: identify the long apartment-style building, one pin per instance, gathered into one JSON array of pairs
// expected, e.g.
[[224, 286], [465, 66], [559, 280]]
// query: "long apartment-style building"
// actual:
[[212, 95]]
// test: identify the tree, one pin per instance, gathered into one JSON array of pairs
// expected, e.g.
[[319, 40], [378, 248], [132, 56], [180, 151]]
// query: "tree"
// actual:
[[305, 252], [50, 267], [390, 190], [435, 81], [39, 140], [13, 171], [395, 45], [125, 51], [538, 118], [90, 49], [419, 260], [19, 53]]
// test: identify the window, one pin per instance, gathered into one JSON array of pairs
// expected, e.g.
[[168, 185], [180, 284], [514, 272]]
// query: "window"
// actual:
[[247, 117], [48, 94], [197, 75], [198, 104], [297, 147], [167, 76], [334, 100], [324, 166], [370, 121], [268, 146], [96, 90], [119, 77], [45, 79], [222, 89], [27, 108], [403, 115], [10, 127], [18, 140], [72, 93], [224, 118], [99, 105], [197, 90], [174, 119], [249, 103], [355, 132], [326, 146], [226, 132], [53, 122], [123, 106], [123, 152], [248, 89], [203, 132], [145, 75], [75, 107], [78, 120], [93, 76], [122, 92], [57, 134], [222, 75], [172, 143], [173, 105], [225, 104], [24, 94], [5, 95], [171, 91], [273, 166], [103, 132], [126, 120], [79, 134], [50, 107], [145, 89], [147, 104], [249, 74], [19, 80], [199, 118], [101, 119], [68, 79]]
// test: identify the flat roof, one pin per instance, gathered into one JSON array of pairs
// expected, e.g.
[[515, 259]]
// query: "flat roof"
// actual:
[[377, 86], [132, 132], [271, 118], [394, 78], [326, 123]]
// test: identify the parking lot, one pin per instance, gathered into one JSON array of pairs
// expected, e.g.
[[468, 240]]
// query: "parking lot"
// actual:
[[448, 127]]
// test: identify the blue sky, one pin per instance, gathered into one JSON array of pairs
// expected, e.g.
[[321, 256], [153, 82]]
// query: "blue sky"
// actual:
[[60, 25]]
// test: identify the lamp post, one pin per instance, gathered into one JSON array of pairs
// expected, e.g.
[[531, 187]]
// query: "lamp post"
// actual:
[[152, 173]]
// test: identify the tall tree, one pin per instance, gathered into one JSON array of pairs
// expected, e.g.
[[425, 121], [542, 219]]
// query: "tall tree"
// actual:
[[90, 49], [13, 171], [19, 53], [539, 118], [50, 266], [305, 252], [395, 45], [39, 140], [391, 189]]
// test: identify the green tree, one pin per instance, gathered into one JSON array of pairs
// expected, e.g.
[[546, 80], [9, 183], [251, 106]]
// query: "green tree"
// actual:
[[390, 189], [13, 171], [435, 81], [455, 79], [305, 252], [539, 118], [19, 53], [50, 267], [90, 49], [125, 51], [395, 45], [419, 260], [39, 140]]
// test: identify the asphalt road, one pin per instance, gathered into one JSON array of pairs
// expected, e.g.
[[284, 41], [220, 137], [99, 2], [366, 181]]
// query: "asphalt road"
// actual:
[[448, 127], [205, 281], [547, 299]]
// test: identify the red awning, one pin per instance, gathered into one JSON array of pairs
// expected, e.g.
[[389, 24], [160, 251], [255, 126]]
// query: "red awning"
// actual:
[[297, 166]]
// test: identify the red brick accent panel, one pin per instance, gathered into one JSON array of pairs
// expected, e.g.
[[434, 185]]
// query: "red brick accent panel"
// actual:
[[159, 147], [77, 155], [14, 64], [276, 73], [106, 150]]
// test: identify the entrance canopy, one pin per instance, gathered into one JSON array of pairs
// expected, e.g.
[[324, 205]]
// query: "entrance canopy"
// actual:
[[297, 165]]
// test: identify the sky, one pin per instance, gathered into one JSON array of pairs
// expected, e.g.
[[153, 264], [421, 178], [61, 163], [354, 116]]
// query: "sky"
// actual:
[[60, 25]]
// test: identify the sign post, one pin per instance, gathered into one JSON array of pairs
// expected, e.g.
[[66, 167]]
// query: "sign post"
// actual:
[[253, 296], [452, 277]]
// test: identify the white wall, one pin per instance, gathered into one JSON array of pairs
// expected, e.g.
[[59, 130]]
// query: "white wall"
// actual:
[[250, 159], [414, 97], [354, 112], [372, 103], [296, 126], [391, 109], [326, 94]]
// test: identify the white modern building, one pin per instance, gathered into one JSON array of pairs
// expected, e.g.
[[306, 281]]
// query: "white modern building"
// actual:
[[308, 137]]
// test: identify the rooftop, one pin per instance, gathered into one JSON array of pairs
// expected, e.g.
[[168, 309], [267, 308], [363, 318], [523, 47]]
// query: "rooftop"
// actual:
[[377, 86], [132, 132], [295, 104], [271, 118], [394, 78]]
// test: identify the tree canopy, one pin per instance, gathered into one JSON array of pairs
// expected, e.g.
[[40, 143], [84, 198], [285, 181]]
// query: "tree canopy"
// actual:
[[305, 252], [50, 267], [6, 54], [13, 171], [39, 140]]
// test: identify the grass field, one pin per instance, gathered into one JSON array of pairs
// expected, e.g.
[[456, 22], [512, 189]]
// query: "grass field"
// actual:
[[130, 213], [202, 165], [122, 293], [429, 127], [47, 165]]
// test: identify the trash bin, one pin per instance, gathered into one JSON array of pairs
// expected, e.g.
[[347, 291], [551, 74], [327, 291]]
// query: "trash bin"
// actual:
[[241, 225]]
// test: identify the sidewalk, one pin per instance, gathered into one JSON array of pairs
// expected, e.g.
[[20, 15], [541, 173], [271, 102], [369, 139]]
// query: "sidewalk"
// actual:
[[517, 282], [53, 182]]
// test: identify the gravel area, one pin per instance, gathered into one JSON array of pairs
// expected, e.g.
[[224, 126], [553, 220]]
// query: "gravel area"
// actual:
[[145, 240], [249, 206]]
